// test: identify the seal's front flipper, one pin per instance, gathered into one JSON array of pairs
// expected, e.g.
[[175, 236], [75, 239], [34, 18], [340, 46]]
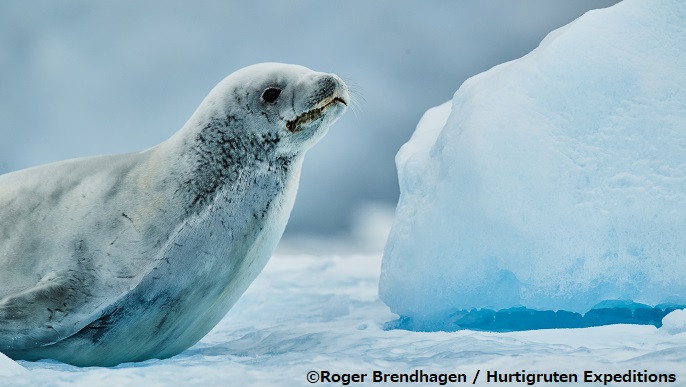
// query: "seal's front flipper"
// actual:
[[48, 312]]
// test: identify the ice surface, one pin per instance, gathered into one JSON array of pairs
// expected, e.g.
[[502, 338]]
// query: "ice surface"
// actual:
[[307, 312], [554, 182]]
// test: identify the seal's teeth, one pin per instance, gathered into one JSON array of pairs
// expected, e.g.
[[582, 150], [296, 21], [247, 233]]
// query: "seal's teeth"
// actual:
[[326, 101], [311, 115]]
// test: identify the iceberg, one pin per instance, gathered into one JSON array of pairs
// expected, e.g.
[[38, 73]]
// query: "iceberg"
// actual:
[[551, 191]]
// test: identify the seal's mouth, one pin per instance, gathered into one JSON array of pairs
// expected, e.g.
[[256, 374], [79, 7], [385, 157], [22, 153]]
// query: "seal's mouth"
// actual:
[[296, 124]]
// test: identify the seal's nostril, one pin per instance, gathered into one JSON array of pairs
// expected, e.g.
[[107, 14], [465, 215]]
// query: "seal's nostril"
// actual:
[[328, 84]]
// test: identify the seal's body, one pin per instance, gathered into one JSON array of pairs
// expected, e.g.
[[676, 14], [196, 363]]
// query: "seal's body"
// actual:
[[130, 257]]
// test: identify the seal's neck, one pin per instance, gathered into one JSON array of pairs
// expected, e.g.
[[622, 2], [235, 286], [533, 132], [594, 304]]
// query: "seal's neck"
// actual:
[[220, 153]]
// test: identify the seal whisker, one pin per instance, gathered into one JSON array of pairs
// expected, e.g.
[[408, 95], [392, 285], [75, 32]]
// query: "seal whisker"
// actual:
[[356, 95]]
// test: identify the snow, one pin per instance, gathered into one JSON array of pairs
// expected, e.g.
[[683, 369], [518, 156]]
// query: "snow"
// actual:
[[556, 182], [322, 312], [9, 368], [674, 322]]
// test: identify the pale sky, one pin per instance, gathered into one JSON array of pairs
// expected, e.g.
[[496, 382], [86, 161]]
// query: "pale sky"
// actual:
[[86, 78]]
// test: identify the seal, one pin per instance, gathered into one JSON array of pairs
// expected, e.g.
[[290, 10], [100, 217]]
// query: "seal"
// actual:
[[129, 257]]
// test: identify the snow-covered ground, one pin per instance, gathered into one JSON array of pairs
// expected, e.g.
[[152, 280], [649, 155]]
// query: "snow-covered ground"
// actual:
[[322, 313]]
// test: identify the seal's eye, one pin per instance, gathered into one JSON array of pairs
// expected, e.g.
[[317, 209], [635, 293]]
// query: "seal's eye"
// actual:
[[271, 95]]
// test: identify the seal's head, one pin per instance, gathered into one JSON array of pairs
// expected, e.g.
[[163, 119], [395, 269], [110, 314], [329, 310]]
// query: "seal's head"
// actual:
[[288, 106]]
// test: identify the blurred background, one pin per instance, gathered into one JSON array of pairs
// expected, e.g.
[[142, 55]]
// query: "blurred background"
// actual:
[[84, 78]]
